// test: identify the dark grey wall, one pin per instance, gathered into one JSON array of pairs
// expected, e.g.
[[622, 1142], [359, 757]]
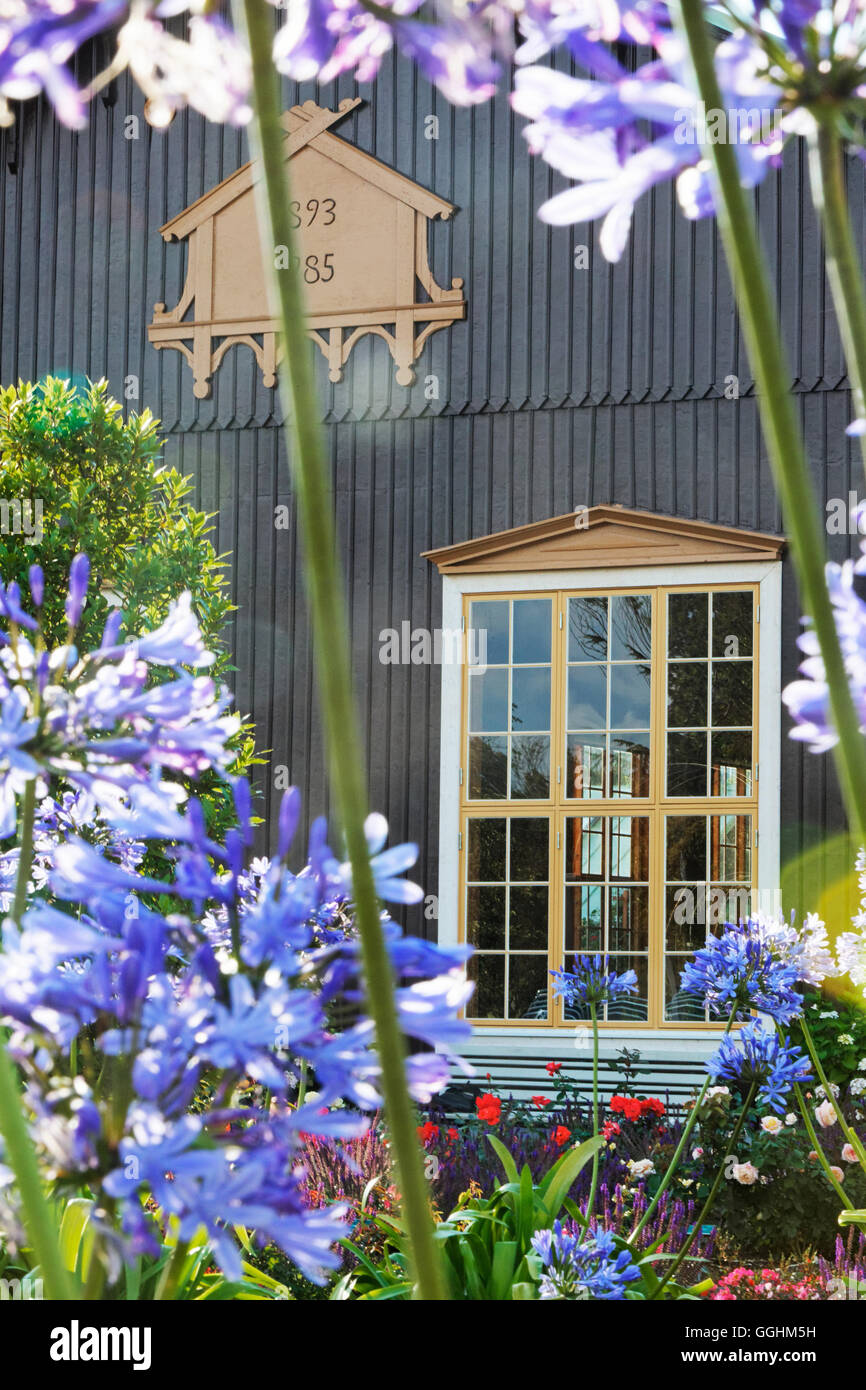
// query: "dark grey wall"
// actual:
[[563, 387]]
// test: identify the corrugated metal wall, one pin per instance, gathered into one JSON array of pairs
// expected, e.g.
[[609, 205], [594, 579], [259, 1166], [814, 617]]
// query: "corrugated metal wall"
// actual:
[[564, 386]]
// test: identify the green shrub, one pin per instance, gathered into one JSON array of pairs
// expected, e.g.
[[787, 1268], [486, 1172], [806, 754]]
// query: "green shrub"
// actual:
[[79, 477]]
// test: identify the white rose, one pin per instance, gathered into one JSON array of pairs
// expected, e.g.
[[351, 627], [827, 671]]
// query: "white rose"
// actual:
[[771, 1124], [745, 1174]]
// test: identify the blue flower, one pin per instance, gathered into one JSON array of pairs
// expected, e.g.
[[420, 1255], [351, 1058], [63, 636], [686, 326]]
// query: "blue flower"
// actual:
[[750, 966], [756, 1055], [583, 1268], [591, 981]]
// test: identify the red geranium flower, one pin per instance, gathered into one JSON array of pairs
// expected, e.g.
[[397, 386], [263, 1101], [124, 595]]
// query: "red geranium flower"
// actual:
[[610, 1128], [452, 1133], [627, 1106], [552, 1068], [540, 1101], [561, 1135], [428, 1131]]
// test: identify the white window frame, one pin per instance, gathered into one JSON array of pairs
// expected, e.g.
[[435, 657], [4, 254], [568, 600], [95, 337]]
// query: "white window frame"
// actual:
[[768, 576]]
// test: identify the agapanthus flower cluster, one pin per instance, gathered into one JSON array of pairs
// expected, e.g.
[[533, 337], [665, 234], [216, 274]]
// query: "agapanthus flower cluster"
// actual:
[[583, 1267], [757, 1055], [592, 982], [163, 1027], [759, 964]]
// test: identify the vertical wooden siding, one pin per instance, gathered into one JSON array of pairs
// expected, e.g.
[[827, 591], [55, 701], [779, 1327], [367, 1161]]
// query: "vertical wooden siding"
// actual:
[[564, 386]]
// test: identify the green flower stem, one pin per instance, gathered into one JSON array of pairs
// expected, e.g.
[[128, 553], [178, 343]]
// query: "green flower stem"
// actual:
[[844, 271], [25, 859], [172, 1272], [678, 1151], [707, 1207], [38, 1217], [850, 1134], [775, 401], [593, 1187], [822, 1157], [330, 628]]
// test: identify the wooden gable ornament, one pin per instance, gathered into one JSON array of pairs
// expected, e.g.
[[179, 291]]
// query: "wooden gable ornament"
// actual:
[[362, 238], [604, 538]]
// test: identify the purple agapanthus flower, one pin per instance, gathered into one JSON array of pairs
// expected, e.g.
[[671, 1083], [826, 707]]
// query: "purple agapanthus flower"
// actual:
[[580, 1266], [808, 700], [748, 967], [757, 1055], [592, 982]]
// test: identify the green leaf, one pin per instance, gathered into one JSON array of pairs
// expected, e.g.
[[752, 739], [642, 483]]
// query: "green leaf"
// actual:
[[563, 1175], [504, 1158]]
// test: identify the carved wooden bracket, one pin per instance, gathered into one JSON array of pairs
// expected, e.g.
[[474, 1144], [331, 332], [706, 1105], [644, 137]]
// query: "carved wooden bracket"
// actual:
[[362, 238]]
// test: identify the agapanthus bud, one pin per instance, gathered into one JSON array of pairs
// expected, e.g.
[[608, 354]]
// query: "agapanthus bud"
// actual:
[[290, 812], [79, 577], [37, 585]]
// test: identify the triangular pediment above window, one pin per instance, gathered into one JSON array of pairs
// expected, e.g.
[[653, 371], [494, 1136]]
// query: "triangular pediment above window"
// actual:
[[605, 538]]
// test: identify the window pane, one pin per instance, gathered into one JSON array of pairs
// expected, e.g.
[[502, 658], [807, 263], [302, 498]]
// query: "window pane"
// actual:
[[488, 767], [587, 629], [687, 695], [686, 852], [532, 618], [629, 847], [732, 693], [727, 903], [679, 1006], [488, 1000], [631, 627], [488, 701], [530, 766], [731, 764], [730, 848], [630, 697], [630, 1007], [527, 986], [529, 849], [587, 697], [486, 857], [685, 916], [688, 624], [732, 624], [489, 620], [629, 765], [485, 918], [527, 919], [584, 847], [687, 764], [530, 698], [584, 922], [628, 919], [585, 765]]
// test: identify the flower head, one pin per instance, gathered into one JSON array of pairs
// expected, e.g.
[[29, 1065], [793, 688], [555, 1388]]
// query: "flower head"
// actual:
[[756, 1056], [575, 1268]]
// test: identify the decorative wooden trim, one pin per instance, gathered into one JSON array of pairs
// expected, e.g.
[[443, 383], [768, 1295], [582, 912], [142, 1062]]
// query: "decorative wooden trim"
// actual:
[[203, 332], [601, 538]]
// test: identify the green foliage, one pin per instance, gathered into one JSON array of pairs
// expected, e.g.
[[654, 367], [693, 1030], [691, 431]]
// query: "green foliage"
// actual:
[[485, 1244], [838, 1030], [102, 490], [139, 1279], [791, 1206]]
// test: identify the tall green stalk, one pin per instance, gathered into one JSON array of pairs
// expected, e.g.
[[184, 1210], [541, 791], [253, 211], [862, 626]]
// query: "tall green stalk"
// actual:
[[708, 1204], [330, 630], [593, 1187], [778, 416], [678, 1151], [844, 271], [39, 1221]]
